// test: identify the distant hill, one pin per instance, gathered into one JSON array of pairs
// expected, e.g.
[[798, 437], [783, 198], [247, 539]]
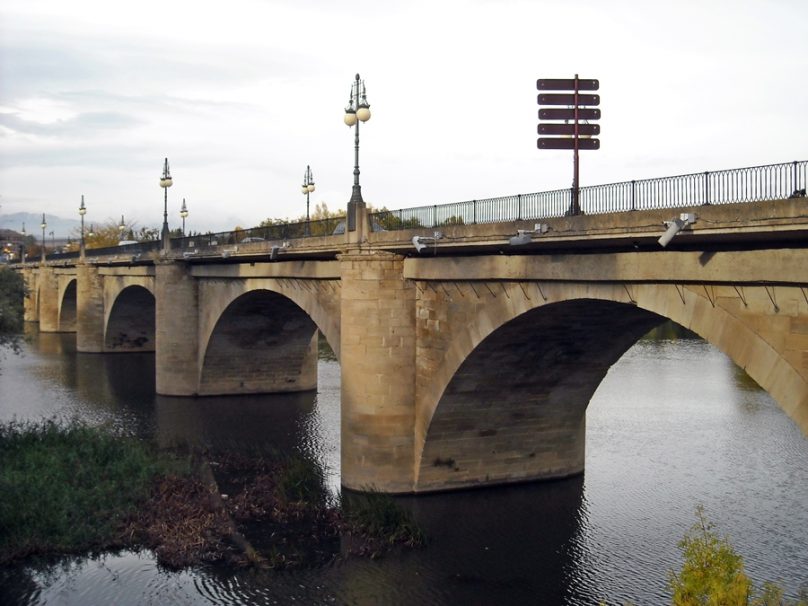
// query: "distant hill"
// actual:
[[61, 228]]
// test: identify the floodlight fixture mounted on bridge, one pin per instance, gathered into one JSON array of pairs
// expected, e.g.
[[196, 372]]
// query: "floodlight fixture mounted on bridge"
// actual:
[[525, 236], [422, 242], [165, 182], [357, 110], [575, 136], [306, 189], [675, 226]]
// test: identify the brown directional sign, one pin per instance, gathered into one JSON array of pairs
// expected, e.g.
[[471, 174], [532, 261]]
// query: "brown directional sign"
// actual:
[[553, 113], [567, 143], [567, 99], [566, 84], [585, 130]]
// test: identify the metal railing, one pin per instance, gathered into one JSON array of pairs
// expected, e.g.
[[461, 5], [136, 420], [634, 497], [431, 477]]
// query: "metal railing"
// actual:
[[279, 232], [737, 185], [753, 184], [201, 242]]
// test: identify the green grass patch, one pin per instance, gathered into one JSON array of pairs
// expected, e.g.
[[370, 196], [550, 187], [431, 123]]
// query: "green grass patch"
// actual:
[[378, 516], [69, 487], [301, 480]]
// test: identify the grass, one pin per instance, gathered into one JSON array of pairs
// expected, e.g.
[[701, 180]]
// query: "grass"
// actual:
[[379, 517], [68, 488], [301, 480]]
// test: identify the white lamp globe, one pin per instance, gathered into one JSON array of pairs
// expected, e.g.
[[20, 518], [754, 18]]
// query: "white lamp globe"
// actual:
[[363, 113]]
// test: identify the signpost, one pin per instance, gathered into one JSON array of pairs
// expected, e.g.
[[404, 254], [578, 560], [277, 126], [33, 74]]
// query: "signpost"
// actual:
[[575, 136]]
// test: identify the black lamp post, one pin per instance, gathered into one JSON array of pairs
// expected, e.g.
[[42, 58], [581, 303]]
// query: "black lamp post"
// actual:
[[357, 110], [165, 183], [121, 229], [24, 235], [43, 225], [82, 212], [183, 214], [308, 187]]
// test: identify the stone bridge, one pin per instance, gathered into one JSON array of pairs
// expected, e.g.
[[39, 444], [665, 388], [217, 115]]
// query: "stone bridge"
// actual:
[[471, 362]]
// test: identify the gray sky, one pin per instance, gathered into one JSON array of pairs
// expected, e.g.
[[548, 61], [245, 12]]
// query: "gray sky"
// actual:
[[242, 95]]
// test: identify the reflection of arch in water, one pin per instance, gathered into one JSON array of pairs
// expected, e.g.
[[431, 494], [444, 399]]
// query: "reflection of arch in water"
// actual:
[[130, 323], [506, 545], [251, 423]]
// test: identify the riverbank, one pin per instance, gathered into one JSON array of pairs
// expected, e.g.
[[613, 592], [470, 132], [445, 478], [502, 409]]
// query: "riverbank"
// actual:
[[71, 489]]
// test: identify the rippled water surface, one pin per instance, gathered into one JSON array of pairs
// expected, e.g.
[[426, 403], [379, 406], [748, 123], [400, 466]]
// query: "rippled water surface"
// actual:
[[675, 424]]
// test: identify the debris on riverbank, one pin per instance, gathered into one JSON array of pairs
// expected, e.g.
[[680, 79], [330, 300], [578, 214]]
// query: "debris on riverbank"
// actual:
[[267, 512]]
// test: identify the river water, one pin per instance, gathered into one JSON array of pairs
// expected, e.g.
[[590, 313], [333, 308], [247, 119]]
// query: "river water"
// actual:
[[674, 425]]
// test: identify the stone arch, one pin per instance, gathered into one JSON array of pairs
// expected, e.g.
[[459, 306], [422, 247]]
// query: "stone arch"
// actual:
[[261, 342], [67, 307], [604, 320], [130, 323], [764, 339], [320, 301]]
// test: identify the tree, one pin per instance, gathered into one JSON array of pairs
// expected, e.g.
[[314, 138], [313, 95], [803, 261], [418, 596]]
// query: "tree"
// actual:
[[713, 574], [109, 233], [392, 221], [12, 291]]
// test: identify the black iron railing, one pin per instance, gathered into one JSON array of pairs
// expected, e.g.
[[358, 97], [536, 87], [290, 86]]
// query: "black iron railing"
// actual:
[[754, 184], [279, 233], [201, 242]]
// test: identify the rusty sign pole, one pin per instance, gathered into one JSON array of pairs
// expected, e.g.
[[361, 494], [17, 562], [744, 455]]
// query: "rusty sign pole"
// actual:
[[576, 206]]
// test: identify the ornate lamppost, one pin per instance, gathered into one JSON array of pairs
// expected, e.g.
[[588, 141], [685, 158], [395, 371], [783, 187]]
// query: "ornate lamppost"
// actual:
[[24, 235], [121, 229], [357, 110], [308, 187], [43, 225], [82, 212], [165, 183], [183, 214]]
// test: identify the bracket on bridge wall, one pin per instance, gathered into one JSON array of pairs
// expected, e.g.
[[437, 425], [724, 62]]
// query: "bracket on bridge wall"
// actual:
[[740, 295], [707, 292], [772, 297], [507, 296], [630, 295]]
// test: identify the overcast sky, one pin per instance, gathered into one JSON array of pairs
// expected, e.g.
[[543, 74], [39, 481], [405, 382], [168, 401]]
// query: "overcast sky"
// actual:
[[242, 95]]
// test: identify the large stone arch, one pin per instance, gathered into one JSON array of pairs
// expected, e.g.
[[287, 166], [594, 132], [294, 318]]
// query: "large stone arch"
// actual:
[[263, 342], [476, 331], [67, 305], [129, 323], [249, 319], [319, 299]]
